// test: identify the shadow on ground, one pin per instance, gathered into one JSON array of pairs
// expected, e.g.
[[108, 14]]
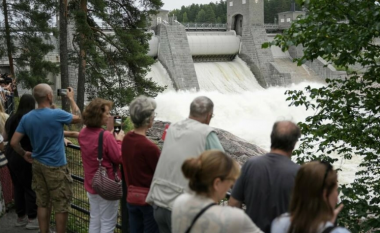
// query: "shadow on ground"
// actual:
[[7, 224]]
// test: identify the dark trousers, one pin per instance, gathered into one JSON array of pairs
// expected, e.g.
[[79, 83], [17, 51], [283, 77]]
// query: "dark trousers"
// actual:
[[141, 219], [25, 197], [163, 218]]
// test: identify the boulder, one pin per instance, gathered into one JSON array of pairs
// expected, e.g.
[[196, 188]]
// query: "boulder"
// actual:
[[234, 146]]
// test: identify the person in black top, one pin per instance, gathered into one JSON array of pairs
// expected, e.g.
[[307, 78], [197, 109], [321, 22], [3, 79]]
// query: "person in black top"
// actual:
[[20, 169]]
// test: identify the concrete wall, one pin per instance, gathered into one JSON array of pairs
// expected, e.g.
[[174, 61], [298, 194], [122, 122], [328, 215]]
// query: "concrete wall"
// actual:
[[323, 70], [163, 15], [251, 12], [279, 78], [319, 65], [285, 19], [174, 54]]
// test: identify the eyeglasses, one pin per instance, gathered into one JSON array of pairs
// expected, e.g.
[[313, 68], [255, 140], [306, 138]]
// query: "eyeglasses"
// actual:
[[328, 169]]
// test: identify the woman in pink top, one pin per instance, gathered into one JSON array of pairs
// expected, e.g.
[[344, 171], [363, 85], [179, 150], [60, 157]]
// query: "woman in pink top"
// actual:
[[103, 213]]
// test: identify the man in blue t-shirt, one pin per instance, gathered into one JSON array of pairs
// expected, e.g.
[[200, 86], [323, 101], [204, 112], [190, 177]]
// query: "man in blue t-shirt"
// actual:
[[51, 178]]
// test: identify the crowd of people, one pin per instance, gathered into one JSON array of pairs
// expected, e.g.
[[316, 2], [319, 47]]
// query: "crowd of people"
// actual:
[[177, 189]]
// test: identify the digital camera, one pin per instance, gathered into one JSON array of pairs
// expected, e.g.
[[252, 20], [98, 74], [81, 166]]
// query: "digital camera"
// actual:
[[61, 92]]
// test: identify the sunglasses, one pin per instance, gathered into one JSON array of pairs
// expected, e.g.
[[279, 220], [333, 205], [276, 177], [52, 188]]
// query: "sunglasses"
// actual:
[[328, 169]]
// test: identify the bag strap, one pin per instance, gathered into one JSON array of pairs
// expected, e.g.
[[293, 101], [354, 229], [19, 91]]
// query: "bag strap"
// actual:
[[329, 229], [198, 215], [100, 147], [100, 155]]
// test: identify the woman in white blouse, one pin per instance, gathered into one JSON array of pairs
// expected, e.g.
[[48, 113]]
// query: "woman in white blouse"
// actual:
[[315, 195], [210, 176]]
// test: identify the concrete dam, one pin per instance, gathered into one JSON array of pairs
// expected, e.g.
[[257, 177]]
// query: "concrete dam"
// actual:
[[192, 58]]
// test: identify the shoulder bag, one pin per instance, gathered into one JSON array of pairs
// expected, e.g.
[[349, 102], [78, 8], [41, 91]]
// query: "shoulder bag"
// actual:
[[198, 215], [137, 195], [104, 186]]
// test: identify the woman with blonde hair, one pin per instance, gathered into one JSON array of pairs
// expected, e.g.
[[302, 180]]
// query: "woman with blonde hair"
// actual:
[[314, 197], [103, 213], [210, 176]]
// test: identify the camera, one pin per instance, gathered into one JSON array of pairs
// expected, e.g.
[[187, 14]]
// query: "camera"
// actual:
[[116, 124], [61, 92]]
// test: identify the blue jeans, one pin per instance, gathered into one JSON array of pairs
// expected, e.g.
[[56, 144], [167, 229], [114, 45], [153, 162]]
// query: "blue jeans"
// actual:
[[141, 219]]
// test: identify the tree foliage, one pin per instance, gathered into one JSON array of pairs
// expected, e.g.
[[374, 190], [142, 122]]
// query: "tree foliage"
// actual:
[[31, 36], [202, 13], [217, 12], [115, 62], [346, 119]]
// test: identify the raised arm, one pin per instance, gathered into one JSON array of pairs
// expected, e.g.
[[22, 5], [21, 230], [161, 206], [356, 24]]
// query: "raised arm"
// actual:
[[77, 117]]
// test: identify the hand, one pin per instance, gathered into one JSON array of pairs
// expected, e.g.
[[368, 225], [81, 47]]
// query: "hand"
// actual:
[[119, 136], [70, 93], [67, 141], [336, 212], [28, 157]]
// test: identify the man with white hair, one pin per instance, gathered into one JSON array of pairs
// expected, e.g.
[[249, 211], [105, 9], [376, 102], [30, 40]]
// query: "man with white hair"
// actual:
[[184, 139], [51, 177]]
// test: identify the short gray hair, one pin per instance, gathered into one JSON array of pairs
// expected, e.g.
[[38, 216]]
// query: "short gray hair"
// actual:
[[201, 106], [141, 110]]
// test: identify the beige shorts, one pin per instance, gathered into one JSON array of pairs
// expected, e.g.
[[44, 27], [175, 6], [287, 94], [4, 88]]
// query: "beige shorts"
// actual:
[[53, 186]]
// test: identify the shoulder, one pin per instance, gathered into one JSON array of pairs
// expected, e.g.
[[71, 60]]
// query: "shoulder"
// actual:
[[340, 230], [59, 111], [255, 161], [181, 200], [281, 223], [232, 212], [183, 197]]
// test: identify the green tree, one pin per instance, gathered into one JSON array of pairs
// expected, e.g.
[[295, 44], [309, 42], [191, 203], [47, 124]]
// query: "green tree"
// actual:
[[28, 38], [113, 65], [346, 111], [201, 17], [210, 15], [184, 18]]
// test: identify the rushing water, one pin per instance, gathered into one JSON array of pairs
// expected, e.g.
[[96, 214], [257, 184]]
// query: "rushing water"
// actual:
[[241, 105]]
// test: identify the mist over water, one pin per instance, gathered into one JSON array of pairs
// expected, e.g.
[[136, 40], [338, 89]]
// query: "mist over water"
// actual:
[[241, 105]]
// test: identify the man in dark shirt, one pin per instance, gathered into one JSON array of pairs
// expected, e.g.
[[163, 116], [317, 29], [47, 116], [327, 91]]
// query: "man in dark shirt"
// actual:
[[266, 181]]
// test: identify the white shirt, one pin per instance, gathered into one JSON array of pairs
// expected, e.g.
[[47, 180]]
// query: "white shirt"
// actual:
[[217, 219], [282, 224]]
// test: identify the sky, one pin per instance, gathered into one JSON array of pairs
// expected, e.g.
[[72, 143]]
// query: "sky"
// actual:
[[176, 4]]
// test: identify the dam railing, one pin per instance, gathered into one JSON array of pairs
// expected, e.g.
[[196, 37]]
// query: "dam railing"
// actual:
[[205, 27]]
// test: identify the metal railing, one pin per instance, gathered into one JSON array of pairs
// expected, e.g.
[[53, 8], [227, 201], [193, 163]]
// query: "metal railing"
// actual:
[[205, 27], [79, 216]]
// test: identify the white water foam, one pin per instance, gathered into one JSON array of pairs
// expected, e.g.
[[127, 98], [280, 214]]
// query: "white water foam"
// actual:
[[160, 75], [226, 77], [247, 111]]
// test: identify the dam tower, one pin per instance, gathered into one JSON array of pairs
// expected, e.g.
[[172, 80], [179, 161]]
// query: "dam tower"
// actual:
[[246, 17]]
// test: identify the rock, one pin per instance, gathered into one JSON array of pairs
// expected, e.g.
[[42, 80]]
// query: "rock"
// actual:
[[234, 146]]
